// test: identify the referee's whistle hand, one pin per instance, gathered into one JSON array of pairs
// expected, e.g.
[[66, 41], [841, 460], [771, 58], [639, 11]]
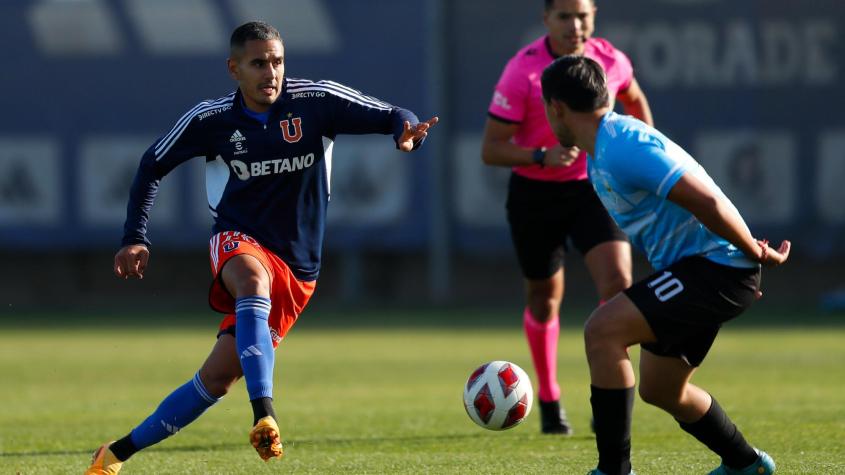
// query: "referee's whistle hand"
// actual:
[[131, 261], [560, 156]]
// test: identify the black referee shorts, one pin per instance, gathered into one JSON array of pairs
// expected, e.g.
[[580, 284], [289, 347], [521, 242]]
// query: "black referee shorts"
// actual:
[[544, 215], [687, 303]]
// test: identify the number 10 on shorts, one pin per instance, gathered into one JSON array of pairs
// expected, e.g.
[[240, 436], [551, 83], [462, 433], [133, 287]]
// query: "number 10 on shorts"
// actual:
[[665, 287]]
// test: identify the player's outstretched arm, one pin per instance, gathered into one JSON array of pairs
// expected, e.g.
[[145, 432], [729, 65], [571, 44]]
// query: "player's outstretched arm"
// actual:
[[131, 261], [720, 217], [411, 134]]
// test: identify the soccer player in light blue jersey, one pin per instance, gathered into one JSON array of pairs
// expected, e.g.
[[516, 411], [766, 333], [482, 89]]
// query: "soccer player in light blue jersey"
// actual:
[[551, 208], [707, 262]]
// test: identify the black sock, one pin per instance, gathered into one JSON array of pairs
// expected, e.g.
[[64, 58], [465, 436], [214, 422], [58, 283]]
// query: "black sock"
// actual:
[[262, 407], [123, 448], [612, 410], [719, 434]]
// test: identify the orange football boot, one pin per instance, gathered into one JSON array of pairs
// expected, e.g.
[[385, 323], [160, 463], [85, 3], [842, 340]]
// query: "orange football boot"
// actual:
[[104, 462], [266, 440]]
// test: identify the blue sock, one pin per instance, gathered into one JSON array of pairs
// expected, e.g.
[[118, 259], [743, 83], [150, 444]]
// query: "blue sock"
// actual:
[[176, 411], [255, 346]]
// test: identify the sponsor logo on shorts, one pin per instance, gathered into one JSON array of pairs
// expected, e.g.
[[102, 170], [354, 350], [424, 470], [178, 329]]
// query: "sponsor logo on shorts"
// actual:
[[227, 236]]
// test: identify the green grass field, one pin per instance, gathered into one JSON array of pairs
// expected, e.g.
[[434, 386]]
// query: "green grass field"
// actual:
[[389, 401]]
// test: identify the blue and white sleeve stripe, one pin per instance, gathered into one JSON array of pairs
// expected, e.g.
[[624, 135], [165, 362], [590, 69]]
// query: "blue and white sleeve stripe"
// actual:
[[354, 92], [296, 85], [164, 145]]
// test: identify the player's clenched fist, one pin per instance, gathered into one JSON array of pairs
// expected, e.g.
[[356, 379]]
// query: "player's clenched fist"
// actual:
[[131, 261]]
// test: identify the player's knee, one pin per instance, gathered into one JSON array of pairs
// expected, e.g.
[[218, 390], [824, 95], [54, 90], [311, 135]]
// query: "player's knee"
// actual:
[[648, 394], [657, 396], [249, 284], [597, 333], [253, 284], [543, 305], [612, 281], [615, 283], [244, 276]]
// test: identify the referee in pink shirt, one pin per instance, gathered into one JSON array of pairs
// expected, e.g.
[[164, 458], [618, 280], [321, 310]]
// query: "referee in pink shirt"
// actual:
[[551, 204]]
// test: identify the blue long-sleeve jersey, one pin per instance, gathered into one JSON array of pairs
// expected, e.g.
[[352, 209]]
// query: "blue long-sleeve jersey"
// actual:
[[269, 179]]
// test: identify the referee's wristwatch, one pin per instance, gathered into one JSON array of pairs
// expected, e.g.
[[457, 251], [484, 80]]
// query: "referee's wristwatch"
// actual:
[[539, 156]]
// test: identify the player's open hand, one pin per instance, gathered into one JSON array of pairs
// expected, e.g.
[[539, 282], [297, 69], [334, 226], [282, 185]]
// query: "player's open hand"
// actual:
[[560, 156], [131, 261], [414, 133], [772, 257]]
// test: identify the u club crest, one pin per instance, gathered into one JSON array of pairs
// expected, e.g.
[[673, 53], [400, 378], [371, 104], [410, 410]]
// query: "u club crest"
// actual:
[[291, 133]]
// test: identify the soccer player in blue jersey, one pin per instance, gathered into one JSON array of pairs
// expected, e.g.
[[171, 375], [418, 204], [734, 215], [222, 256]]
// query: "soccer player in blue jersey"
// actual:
[[551, 207], [268, 150], [708, 272]]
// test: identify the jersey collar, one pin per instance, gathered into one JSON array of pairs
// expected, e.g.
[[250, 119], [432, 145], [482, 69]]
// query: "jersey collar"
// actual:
[[601, 136]]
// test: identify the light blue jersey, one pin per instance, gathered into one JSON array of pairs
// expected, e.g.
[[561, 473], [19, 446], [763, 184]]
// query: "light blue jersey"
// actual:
[[633, 170]]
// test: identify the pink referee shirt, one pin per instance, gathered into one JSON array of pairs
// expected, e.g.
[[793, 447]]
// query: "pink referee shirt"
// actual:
[[519, 99]]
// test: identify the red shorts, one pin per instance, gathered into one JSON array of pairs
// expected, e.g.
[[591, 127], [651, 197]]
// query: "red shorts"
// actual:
[[288, 296]]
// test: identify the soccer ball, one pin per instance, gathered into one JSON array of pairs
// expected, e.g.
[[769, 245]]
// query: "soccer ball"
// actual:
[[498, 395]]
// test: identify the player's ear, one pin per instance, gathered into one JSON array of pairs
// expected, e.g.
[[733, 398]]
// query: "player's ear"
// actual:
[[232, 66], [558, 107]]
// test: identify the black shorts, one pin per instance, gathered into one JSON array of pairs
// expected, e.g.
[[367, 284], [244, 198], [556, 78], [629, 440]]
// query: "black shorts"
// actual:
[[686, 304], [544, 214]]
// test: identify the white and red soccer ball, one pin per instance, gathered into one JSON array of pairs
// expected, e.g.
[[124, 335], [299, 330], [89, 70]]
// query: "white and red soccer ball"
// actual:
[[498, 395]]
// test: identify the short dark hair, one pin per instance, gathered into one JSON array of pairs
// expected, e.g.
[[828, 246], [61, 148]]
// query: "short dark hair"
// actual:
[[577, 81], [551, 3], [254, 30]]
